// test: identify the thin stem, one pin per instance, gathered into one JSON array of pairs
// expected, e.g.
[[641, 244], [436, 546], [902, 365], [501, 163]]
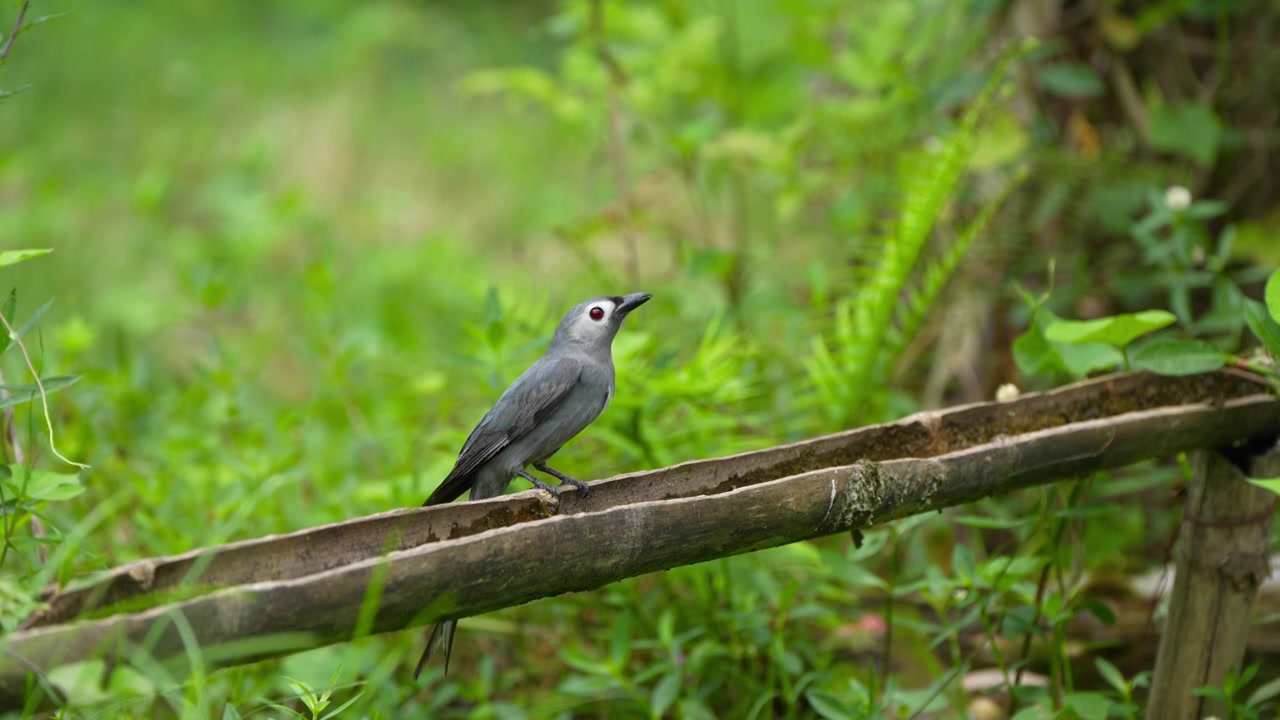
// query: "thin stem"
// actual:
[[886, 646], [44, 397], [19, 457], [17, 27]]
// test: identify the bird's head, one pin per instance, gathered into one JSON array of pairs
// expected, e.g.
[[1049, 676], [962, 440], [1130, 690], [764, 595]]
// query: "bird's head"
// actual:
[[592, 324]]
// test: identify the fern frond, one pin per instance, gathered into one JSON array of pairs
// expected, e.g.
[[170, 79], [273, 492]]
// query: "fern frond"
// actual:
[[863, 347], [937, 273]]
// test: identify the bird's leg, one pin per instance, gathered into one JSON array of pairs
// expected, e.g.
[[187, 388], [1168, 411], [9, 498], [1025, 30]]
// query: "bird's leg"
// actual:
[[539, 484], [543, 467]]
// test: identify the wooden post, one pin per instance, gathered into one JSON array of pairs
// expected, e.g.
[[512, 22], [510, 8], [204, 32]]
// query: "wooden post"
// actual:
[[1222, 559]]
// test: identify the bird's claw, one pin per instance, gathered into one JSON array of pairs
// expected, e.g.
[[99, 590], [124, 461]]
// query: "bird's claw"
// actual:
[[564, 479], [582, 487], [555, 491]]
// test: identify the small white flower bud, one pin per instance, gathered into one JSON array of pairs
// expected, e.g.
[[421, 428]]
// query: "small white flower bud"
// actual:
[[1007, 392], [1177, 198]]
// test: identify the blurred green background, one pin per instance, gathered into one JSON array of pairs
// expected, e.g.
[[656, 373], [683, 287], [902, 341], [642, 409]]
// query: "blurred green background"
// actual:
[[301, 246]]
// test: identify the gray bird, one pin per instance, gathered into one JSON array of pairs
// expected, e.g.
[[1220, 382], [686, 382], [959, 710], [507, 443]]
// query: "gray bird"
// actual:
[[554, 400]]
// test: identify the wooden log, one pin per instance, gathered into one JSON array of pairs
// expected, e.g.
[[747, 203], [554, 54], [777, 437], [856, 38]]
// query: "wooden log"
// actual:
[[506, 566], [280, 557], [1222, 559]]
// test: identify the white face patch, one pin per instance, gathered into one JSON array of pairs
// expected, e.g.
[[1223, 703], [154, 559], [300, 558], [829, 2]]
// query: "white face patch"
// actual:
[[591, 322], [600, 312]]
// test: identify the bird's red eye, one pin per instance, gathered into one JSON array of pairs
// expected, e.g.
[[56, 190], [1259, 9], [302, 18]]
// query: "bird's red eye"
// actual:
[[596, 313]]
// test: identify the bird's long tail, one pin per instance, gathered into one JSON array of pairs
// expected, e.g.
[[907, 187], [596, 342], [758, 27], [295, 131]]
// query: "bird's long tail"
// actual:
[[441, 635]]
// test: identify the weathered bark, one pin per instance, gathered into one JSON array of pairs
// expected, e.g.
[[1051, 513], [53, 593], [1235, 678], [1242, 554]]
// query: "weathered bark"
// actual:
[[333, 583], [921, 435], [1222, 560]]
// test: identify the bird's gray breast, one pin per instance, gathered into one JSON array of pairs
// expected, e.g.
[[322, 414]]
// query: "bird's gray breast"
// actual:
[[571, 416]]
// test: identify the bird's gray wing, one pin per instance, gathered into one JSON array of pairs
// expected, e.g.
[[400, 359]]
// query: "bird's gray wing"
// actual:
[[530, 399]]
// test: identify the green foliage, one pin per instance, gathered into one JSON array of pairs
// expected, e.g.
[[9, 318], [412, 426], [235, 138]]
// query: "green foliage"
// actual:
[[1035, 353], [346, 228], [1176, 244], [1168, 356], [1273, 295], [1272, 484], [317, 704], [27, 491], [13, 257], [1231, 695], [1191, 129], [1263, 326], [845, 371], [1117, 331], [1126, 688]]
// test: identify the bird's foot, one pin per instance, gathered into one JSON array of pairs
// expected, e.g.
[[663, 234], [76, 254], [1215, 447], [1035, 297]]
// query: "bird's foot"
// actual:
[[555, 491], [564, 479], [576, 483]]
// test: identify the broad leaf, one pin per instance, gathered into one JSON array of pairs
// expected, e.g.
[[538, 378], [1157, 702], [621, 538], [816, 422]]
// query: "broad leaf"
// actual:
[[1168, 356], [1034, 354], [1191, 130], [1070, 79], [1080, 360], [1117, 330], [45, 485]]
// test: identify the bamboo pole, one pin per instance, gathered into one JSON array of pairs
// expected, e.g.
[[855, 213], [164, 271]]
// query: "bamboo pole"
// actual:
[[510, 565], [1223, 557], [928, 434]]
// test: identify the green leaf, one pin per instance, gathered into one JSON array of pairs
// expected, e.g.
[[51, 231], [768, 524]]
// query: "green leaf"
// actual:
[[1260, 322], [35, 318], [26, 393], [1099, 610], [1069, 79], [1111, 674], [46, 485], [338, 710], [1080, 360], [963, 563], [1168, 356], [665, 693], [1191, 130], [10, 306], [1033, 354], [1116, 331], [990, 523], [1269, 691], [13, 257], [828, 705], [1004, 567], [1088, 705], [1272, 484], [620, 642], [1272, 295]]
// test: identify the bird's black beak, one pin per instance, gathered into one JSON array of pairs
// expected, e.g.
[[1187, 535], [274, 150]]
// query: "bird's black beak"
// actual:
[[631, 302]]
